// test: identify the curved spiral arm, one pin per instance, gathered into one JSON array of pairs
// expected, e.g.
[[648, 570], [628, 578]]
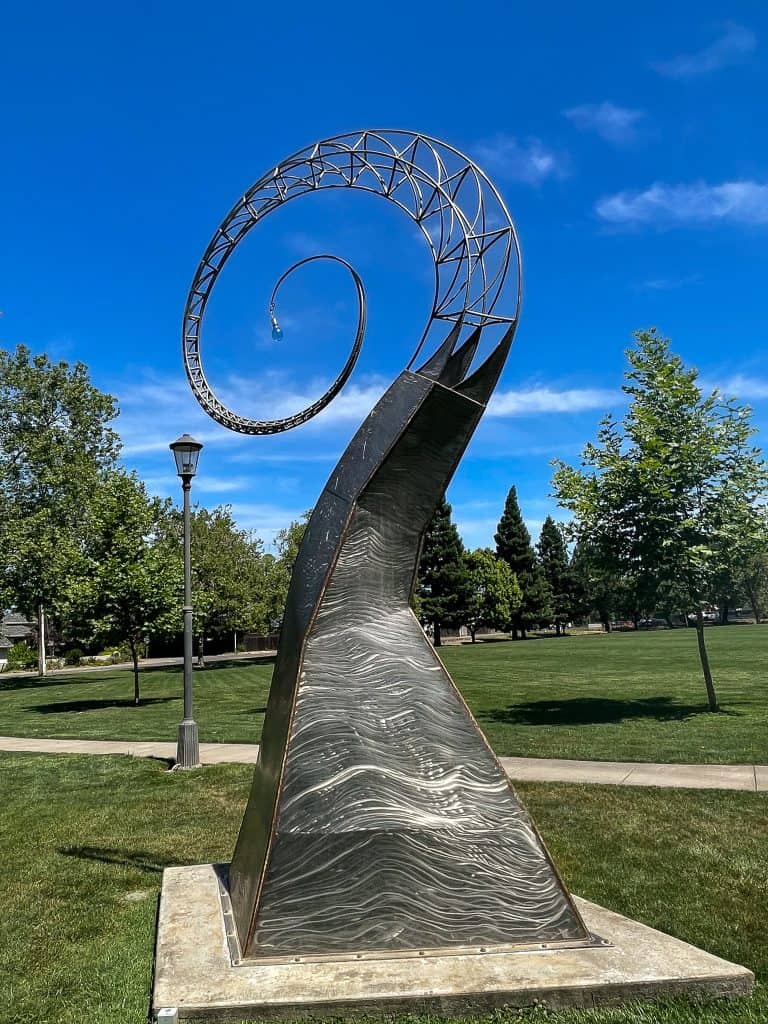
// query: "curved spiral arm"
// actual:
[[380, 820], [458, 210]]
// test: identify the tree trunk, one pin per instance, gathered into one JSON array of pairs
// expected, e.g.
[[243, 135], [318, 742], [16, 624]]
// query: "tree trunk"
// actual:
[[234, 644], [472, 632], [201, 651], [42, 664], [711, 696], [724, 614], [754, 601], [607, 625], [437, 638], [135, 660]]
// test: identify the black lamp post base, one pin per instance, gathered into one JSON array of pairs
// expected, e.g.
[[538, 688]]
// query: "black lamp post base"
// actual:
[[188, 748]]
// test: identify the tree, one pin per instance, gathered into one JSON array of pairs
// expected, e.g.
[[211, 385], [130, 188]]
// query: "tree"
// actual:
[[751, 572], [287, 542], [597, 589], [555, 565], [744, 572], [494, 593], [513, 545], [669, 495], [226, 575], [134, 585], [442, 576], [55, 447]]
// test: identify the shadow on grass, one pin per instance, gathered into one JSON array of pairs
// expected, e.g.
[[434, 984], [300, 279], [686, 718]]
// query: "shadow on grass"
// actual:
[[97, 705], [32, 682], [595, 711], [141, 859], [210, 666]]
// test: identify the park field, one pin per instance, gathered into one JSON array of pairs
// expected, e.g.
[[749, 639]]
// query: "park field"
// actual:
[[623, 696], [84, 842]]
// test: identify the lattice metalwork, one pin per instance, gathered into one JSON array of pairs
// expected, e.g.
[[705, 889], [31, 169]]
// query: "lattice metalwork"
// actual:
[[459, 211]]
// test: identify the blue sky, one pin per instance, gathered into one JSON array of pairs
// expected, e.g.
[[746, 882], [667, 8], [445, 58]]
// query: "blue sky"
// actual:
[[629, 145]]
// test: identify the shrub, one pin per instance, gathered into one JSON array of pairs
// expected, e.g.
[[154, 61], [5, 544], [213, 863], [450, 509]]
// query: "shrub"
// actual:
[[21, 656], [73, 657]]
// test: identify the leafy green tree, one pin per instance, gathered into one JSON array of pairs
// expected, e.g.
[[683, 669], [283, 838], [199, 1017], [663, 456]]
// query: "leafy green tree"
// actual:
[[442, 576], [227, 575], [55, 447], [596, 589], [133, 589], [494, 593], [556, 567], [669, 495], [752, 575], [278, 576], [513, 545], [743, 574]]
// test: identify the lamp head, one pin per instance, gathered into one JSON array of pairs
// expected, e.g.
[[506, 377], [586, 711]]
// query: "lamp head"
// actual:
[[186, 452]]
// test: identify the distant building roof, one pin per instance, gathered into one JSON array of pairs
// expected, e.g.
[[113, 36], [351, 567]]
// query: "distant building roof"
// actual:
[[5, 642], [15, 627]]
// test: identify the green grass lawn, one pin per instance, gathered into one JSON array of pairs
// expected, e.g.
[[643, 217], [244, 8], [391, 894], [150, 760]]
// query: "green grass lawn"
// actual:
[[84, 842], [634, 697]]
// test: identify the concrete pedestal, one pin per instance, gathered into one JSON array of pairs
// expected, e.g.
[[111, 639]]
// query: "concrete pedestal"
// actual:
[[195, 975]]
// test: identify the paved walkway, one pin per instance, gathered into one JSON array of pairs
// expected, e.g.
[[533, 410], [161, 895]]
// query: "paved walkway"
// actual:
[[749, 777]]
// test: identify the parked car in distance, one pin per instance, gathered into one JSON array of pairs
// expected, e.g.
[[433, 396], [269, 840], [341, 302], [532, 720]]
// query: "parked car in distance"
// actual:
[[710, 618], [654, 623]]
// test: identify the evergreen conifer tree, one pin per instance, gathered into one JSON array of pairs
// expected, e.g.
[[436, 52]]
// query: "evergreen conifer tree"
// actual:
[[443, 586], [553, 558], [513, 544]]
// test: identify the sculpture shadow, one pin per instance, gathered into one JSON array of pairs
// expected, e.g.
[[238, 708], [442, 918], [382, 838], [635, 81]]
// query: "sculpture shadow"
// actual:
[[144, 860], [595, 711], [98, 705]]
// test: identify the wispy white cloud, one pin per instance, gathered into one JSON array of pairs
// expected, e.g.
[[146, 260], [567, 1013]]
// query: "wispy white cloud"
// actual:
[[283, 458], [264, 519], [665, 284], [154, 411], [740, 385], [734, 45], [664, 205], [277, 397], [538, 401], [610, 122], [529, 162], [204, 483]]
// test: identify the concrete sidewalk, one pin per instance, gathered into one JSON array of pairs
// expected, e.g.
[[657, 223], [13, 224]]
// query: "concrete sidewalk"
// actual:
[[753, 778]]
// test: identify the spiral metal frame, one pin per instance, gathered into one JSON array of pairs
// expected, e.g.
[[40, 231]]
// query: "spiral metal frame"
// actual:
[[458, 210]]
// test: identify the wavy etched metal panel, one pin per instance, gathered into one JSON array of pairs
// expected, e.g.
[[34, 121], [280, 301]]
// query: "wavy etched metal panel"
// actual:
[[394, 825]]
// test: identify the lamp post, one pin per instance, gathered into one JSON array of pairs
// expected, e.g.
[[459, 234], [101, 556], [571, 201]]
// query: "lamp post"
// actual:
[[186, 451]]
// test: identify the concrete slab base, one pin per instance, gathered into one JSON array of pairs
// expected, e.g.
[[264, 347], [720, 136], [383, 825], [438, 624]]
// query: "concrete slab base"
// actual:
[[195, 976]]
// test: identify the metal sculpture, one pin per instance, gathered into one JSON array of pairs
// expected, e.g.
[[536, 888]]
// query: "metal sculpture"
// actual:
[[380, 821]]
